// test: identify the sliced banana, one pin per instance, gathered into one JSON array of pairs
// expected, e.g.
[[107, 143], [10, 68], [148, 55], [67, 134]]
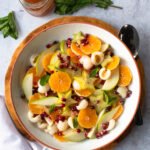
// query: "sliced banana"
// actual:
[[97, 58], [122, 91], [86, 62], [104, 73], [104, 47], [82, 105]]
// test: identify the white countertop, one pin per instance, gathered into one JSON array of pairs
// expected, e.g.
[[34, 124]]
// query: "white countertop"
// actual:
[[135, 12]]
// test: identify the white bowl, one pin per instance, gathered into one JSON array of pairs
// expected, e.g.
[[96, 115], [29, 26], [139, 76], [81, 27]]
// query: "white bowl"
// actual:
[[36, 45]]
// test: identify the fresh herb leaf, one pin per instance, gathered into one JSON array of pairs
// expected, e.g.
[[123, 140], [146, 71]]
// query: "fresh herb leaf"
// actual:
[[5, 31], [4, 24], [75, 122], [52, 108], [110, 98], [94, 72], [44, 80], [3, 19], [71, 6]]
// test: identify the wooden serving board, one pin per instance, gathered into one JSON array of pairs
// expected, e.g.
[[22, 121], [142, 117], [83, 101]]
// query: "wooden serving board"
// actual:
[[50, 24]]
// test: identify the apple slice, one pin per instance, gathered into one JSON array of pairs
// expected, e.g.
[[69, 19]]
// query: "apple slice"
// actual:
[[106, 117], [39, 66], [27, 85], [73, 135], [93, 130], [112, 81], [45, 101]]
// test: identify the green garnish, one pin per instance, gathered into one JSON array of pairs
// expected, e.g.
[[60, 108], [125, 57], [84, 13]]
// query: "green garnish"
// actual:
[[71, 6], [94, 72], [8, 26], [110, 98], [75, 122], [52, 108], [44, 80]]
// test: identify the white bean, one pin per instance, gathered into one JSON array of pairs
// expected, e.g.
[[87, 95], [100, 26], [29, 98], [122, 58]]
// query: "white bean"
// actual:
[[32, 118], [49, 121], [32, 60], [70, 122], [51, 129], [82, 105], [111, 125], [97, 58], [104, 73], [42, 125], [62, 125]]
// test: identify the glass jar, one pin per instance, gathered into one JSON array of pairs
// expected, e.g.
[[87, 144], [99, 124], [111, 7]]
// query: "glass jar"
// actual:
[[38, 7]]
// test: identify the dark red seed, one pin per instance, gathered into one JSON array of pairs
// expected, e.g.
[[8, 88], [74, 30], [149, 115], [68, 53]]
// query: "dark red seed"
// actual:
[[86, 134], [35, 90], [43, 115], [98, 135], [104, 132], [68, 42], [60, 133], [115, 92], [74, 108], [122, 101], [64, 99], [78, 130], [48, 45], [98, 102], [61, 118], [92, 107], [68, 58], [105, 125], [62, 105], [129, 93], [102, 82]]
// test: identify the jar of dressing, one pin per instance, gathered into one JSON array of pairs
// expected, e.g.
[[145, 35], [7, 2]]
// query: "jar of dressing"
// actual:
[[38, 7]]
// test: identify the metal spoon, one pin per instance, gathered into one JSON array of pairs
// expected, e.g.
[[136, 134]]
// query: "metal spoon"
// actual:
[[129, 35]]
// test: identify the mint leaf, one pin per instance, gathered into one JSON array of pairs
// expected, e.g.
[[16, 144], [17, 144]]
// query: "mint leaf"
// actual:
[[75, 122], [94, 72], [44, 80], [52, 108]]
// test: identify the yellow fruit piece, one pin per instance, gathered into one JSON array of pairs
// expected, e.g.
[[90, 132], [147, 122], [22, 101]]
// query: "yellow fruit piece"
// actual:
[[85, 92], [36, 109], [76, 49], [46, 61], [55, 114], [119, 112], [60, 82], [125, 76], [94, 44], [59, 137], [87, 118], [114, 63]]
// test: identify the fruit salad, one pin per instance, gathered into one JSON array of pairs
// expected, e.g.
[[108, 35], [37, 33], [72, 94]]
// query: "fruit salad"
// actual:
[[76, 88]]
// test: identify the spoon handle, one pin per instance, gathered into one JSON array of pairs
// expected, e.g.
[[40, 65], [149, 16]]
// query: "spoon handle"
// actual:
[[138, 117]]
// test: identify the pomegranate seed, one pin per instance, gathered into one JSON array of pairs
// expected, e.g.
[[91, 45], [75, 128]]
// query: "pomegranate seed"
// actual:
[[81, 97], [104, 132], [78, 130], [68, 58], [98, 135], [62, 105], [48, 45], [60, 133], [129, 93], [98, 102], [86, 134], [68, 42], [61, 118], [74, 108], [35, 90], [102, 82], [122, 101], [64, 99], [43, 115], [105, 125]]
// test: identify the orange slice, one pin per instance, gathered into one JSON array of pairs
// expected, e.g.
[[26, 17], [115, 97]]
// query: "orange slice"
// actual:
[[59, 137], [76, 49], [35, 96], [74, 58], [36, 109], [55, 114], [60, 82], [93, 45], [119, 112], [46, 61], [84, 92], [114, 63], [125, 76], [87, 118]]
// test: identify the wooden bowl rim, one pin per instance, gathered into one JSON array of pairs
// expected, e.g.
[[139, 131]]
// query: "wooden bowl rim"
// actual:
[[28, 39]]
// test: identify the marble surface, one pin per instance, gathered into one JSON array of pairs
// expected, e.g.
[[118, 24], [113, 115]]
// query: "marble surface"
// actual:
[[135, 12]]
